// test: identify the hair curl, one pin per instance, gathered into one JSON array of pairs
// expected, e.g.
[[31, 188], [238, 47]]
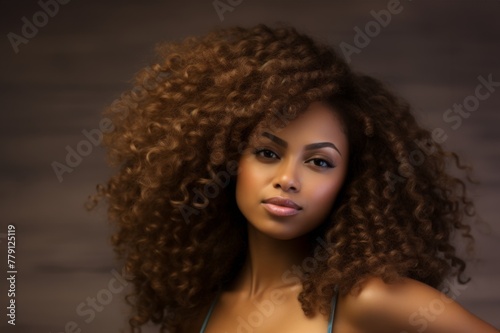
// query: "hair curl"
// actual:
[[177, 139]]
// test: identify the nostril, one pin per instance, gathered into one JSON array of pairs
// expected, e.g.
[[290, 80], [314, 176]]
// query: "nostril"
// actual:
[[291, 186]]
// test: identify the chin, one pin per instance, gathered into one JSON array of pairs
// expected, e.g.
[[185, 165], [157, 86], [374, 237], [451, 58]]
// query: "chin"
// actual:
[[282, 234]]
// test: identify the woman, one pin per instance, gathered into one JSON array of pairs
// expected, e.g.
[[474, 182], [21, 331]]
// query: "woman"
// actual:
[[265, 187]]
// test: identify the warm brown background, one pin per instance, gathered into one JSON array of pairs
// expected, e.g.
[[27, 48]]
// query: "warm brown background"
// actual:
[[56, 86]]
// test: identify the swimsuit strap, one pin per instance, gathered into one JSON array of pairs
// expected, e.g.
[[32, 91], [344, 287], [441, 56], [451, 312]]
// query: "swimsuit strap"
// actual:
[[209, 312], [332, 314]]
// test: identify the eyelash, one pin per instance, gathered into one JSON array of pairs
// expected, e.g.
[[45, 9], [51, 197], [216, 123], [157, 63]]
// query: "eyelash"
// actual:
[[259, 152]]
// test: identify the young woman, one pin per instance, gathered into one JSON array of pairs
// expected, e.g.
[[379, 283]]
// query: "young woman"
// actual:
[[265, 187]]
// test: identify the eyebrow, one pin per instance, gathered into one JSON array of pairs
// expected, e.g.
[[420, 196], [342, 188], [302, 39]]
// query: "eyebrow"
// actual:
[[311, 146]]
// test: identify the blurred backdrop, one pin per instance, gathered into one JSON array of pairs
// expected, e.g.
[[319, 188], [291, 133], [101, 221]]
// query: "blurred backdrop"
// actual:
[[64, 62]]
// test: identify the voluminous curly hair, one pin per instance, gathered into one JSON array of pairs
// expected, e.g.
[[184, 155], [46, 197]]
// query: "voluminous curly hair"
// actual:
[[177, 138]]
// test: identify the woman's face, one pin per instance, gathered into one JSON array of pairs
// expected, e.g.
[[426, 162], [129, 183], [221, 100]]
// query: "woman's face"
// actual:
[[288, 179]]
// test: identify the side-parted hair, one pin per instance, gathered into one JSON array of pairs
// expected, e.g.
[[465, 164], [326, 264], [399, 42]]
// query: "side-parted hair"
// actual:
[[178, 136]]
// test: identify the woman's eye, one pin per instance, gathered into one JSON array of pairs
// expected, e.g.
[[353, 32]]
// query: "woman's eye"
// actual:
[[266, 153], [321, 163]]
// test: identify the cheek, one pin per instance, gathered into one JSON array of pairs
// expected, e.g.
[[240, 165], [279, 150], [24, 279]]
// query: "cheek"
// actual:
[[328, 190], [246, 182], [324, 194]]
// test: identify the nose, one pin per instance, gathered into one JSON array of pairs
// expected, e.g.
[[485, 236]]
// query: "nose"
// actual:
[[287, 177]]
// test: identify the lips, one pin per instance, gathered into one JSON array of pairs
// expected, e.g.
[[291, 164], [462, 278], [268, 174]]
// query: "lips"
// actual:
[[281, 207]]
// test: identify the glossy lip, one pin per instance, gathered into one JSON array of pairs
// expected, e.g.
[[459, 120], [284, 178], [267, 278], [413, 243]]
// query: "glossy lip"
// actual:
[[281, 207]]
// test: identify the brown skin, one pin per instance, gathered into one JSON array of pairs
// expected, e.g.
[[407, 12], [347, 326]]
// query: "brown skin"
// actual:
[[409, 306], [280, 165], [360, 313], [260, 295]]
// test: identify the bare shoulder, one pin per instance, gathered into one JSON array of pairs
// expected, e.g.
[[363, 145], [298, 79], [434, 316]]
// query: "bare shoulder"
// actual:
[[407, 305]]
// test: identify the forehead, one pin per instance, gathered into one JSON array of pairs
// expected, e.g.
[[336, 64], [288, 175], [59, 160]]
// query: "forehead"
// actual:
[[318, 123], [318, 117]]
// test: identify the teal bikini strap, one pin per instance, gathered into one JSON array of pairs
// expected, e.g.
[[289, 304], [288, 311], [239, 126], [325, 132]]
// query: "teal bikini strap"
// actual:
[[332, 314], [209, 313]]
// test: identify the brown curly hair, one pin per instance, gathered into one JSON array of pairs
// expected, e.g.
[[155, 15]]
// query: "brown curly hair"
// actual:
[[177, 140]]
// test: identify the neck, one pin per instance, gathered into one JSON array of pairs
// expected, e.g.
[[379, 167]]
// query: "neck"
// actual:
[[271, 263]]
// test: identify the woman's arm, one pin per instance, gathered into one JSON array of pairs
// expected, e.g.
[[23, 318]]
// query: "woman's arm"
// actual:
[[409, 306]]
